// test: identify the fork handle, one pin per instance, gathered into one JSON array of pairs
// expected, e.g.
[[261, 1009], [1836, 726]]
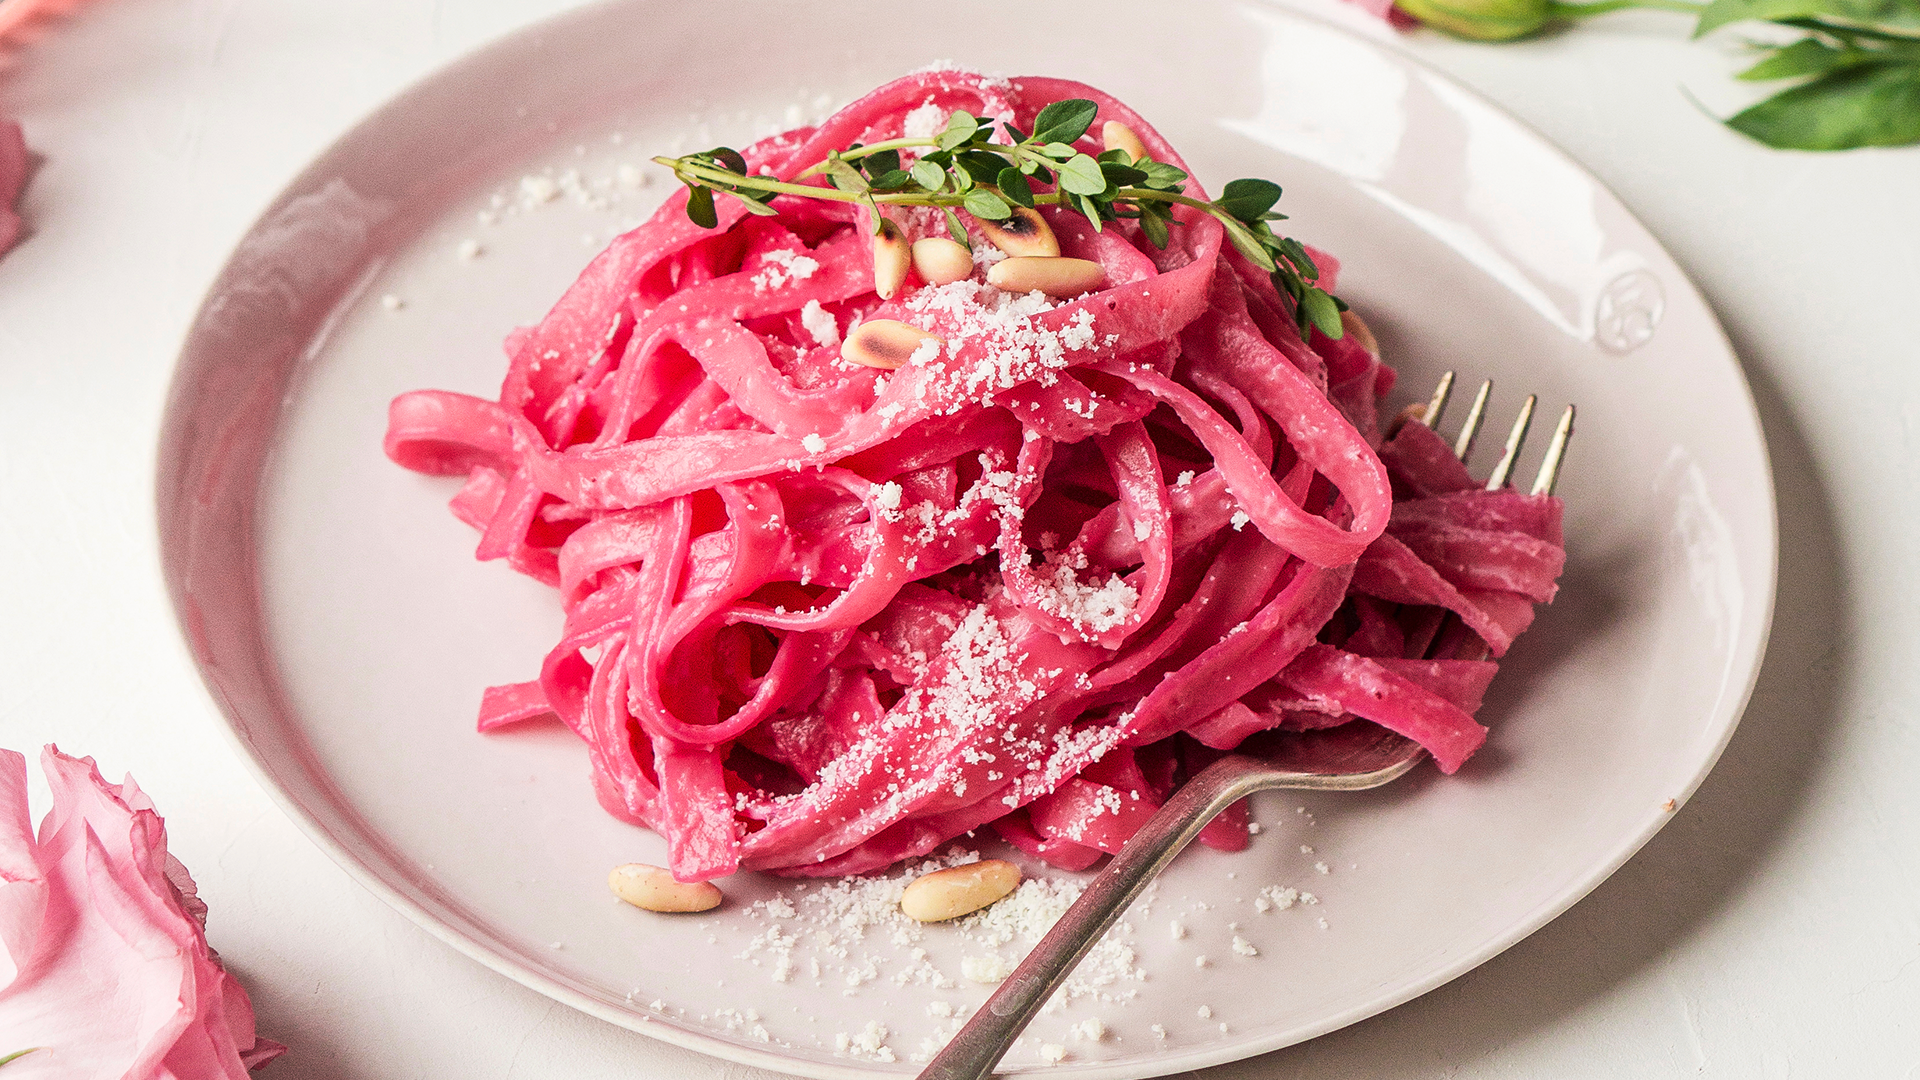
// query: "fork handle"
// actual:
[[979, 1045]]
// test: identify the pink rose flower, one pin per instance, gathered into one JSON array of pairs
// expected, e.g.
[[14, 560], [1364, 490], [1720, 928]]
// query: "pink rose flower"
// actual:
[[13, 177], [104, 965]]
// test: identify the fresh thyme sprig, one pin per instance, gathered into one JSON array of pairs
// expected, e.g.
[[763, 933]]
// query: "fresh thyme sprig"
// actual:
[[963, 168]]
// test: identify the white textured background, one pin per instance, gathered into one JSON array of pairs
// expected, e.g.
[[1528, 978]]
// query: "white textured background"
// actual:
[[1771, 931]]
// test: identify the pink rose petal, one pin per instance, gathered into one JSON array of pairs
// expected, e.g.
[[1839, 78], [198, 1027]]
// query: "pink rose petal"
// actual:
[[23, 888], [115, 979], [13, 177]]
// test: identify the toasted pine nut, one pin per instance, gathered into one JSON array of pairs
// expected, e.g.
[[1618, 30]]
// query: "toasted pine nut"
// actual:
[[884, 343], [1415, 413], [654, 888], [891, 258], [940, 261], [1025, 233], [1115, 135], [1362, 333], [957, 890], [1055, 277]]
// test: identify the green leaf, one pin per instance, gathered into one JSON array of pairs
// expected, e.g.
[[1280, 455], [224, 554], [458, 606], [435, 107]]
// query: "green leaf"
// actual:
[[1804, 57], [1064, 121], [730, 158], [957, 230], [1013, 185], [1321, 310], [1899, 16], [844, 176], [1081, 175], [1089, 208], [959, 131], [1013, 132], [1289, 284], [892, 180], [1121, 175], [929, 174], [700, 207], [1248, 244], [985, 204], [1296, 254], [754, 205], [881, 162], [1248, 199], [984, 166], [1162, 176], [1058, 151], [1876, 105], [1115, 155], [1154, 228]]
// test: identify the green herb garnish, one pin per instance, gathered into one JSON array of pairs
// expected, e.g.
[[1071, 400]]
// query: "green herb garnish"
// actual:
[[963, 168], [1858, 66]]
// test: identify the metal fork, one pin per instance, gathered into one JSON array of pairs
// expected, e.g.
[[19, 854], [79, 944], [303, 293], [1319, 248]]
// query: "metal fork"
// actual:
[[1331, 759]]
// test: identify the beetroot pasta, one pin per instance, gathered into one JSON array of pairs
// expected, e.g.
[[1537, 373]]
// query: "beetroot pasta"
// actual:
[[829, 606]]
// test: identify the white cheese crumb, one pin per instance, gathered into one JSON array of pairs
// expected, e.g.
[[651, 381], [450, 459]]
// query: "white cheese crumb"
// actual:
[[814, 443], [1276, 897], [925, 353], [1159, 1031], [989, 969], [1201, 961], [469, 249], [924, 122], [1052, 1053], [1090, 1029], [1177, 929], [1322, 921], [1253, 828], [887, 496], [392, 302], [783, 266], [820, 322], [1239, 520], [1306, 849], [1243, 947], [1205, 1013], [870, 1043], [1323, 868], [535, 190]]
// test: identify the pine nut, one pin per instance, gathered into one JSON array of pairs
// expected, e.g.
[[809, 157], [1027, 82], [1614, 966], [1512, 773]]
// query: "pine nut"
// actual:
[[957, 890], [884, 343], [654, 889], [1362, 333], [1025, 233], [1115, 135], [940, 261], [891, 257], [1056, 277]]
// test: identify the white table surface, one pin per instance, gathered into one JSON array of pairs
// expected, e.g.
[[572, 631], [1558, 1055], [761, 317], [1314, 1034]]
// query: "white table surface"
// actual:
[[1772, 931]]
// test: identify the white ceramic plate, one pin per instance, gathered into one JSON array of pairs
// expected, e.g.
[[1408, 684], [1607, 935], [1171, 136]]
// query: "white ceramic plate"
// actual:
[[338, 616]]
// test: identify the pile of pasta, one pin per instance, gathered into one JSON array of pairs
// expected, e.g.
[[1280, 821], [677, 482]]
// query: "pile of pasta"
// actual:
[[821, 616]]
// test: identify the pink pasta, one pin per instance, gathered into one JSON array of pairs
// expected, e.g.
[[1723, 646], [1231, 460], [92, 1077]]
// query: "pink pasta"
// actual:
[[821, 617]]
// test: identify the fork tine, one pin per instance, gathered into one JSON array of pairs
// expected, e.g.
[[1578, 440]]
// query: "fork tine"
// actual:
[[1476, 413], [1556, 450], [1442, 391], [1515, 438]]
